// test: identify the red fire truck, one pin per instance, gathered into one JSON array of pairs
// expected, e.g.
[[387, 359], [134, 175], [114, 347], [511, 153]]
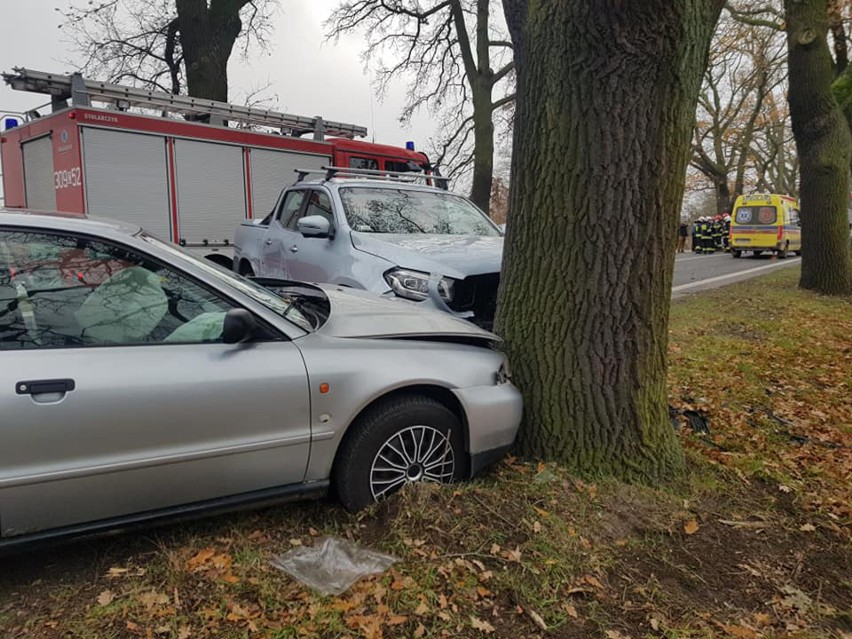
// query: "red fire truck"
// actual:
[[190, 173]]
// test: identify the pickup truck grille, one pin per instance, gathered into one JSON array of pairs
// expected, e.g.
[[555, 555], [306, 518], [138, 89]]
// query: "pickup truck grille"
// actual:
[[477, 293]]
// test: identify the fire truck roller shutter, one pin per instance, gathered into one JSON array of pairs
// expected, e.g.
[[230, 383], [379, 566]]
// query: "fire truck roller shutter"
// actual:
[[126, 178], [211, 190], [38, 174], [272, 171]]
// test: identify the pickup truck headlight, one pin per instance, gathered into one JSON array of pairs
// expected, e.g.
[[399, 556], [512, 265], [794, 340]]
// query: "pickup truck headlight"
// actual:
[[414, 285]]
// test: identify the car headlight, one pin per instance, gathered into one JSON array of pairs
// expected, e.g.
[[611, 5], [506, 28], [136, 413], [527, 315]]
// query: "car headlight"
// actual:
[[414, 285]]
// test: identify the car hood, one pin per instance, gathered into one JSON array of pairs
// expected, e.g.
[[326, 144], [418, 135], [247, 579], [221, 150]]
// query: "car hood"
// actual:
[[455, 256], [356, 313]]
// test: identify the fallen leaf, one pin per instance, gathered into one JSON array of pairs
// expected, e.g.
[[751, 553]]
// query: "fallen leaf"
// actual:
[[570, 610], [615, 634], [422, 609], [785, 489], [106, 597], [495, 549], [807, 528], [153, 598], [537, 619], [690, 527], [593, 581], [420, 632], [655, 624], [132, 626], [536, 527], [201, 557], [741, 632], [184, 633], [762, 619], [482, 626]]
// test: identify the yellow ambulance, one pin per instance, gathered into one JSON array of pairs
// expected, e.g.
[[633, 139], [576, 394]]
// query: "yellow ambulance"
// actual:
[[766, 223]]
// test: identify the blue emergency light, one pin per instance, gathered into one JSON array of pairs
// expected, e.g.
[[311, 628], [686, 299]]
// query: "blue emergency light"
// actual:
[[10, 123], [409, 146]]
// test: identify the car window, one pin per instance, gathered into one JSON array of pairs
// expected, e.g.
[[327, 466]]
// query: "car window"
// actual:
[[318, 204], [290, 207], [383, 210], [62, 291]]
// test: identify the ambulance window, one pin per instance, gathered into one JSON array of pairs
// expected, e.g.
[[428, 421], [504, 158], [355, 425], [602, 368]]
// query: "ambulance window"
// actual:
[[363, 163]]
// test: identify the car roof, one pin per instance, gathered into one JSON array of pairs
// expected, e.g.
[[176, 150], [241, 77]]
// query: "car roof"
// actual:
[[65, 221]]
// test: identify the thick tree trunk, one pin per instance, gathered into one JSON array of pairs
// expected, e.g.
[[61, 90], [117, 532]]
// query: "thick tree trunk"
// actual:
[[606, 96], [824, 145], [723, 195], [207, 36]]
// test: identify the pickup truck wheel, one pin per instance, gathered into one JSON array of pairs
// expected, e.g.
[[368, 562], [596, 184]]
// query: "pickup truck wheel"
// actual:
[[246, 269], [736, 253], [399, 441]]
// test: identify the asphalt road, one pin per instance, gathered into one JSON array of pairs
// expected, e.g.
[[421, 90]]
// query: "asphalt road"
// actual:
[[694, 272]]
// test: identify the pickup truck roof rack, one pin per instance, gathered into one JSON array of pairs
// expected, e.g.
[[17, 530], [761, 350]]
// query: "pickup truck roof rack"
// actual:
[[370, 174], [82, 92]]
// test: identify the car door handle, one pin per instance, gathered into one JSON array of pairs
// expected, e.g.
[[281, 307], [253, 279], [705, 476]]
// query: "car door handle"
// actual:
[[44, 386], [294, 249], [268, 241]]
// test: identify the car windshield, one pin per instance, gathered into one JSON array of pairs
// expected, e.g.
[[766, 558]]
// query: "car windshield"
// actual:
[[410, 211], [756, 215], [300, 307]]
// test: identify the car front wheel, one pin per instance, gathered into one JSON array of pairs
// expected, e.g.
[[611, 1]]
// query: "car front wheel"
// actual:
[[399, 441]]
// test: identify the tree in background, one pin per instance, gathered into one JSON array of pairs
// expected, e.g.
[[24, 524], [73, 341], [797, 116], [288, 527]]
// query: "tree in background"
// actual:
[[456, 61], [824, 145], [606, 97], [167, 45], [745, 70]]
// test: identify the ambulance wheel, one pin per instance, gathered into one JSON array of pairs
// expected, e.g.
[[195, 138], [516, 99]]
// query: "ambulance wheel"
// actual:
[[737, 254], [757, 253], [782, 253]]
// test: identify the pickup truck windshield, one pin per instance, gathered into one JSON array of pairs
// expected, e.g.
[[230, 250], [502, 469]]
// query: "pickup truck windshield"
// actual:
[[380, 210]]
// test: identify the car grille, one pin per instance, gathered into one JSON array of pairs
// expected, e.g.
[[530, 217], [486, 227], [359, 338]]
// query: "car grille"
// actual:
[[477, 293]]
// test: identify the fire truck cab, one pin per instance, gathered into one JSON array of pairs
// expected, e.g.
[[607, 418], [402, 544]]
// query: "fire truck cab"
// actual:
[[188, 181]]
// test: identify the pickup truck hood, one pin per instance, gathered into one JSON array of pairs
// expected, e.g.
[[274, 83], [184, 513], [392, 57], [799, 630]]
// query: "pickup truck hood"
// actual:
[[455, 256], [356, 313]]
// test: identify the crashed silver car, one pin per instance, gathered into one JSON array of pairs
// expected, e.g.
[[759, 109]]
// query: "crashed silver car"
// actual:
[[137, 382]]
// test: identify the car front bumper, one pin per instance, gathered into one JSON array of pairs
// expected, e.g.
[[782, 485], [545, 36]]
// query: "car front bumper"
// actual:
[[493, 418]]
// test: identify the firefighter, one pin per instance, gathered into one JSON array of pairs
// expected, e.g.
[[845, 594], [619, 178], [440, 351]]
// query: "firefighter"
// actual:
[[703, 235], [695, 246], [716, 233], [726, 230]]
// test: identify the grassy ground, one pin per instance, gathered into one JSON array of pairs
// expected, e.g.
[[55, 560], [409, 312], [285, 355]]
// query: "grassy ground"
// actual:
[[754, 543]]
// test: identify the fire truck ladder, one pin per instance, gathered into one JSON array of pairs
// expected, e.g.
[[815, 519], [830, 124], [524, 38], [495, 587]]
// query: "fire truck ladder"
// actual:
[[83, 92]]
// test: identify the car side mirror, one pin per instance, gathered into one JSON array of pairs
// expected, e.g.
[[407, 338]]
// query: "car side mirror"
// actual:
[[314, 226], [238, 327]]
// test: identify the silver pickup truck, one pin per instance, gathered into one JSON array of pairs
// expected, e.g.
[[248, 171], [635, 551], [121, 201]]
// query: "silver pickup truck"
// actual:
[[391, 237]]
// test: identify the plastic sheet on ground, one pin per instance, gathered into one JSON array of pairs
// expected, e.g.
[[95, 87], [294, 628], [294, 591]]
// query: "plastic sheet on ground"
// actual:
[[332, 565]]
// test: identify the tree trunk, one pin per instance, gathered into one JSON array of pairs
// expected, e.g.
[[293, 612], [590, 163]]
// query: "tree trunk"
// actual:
[[723, 195], [483, 148], [823, 143], [606, 97], [207, 37]]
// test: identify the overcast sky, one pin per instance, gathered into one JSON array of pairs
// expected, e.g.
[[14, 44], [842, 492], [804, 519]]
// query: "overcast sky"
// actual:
[[309, 75]]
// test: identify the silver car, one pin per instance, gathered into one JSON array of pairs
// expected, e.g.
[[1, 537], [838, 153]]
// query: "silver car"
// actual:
[[137, 382], [391, 237]]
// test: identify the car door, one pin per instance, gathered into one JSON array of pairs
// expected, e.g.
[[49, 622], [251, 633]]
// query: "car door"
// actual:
[[118, 395], [315, 259], [277, 240]]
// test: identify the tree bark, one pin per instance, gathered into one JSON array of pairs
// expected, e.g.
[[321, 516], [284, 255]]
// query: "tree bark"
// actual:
[[207, 37], [824, 144], [606, 97]]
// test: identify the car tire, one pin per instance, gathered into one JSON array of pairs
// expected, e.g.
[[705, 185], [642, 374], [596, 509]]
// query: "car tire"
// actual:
[[361, 474], [782, 253], [737, 254]]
